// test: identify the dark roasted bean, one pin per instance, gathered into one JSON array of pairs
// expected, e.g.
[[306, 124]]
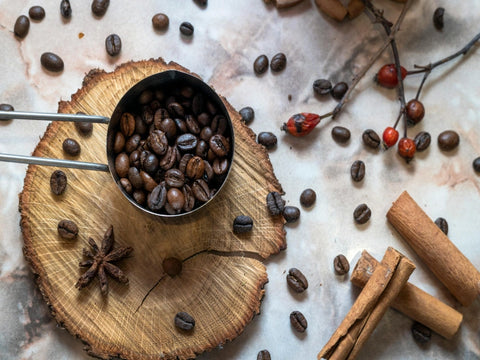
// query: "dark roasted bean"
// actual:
[[189, 198], [448, 140], [84, 128], [158, 142], [296, 280], [267, 139], [275, 203], [357, 171], [206, 133], [371, 138], [65, 9], [340, 134], [36, 13], [148, 183], [51, 62], [67, 229], [219, 124], [135, 158], [192, 125], [422, 141], [204, 119], [71, 147], [184, 321], [6, 107], [150, 163], [209, 173], [172, 266], [260, 65], [113, 44], [21, 27], [181, 125], [278, 62], [141, 128], [308, 197], [220, 166], [362, 214], [147, 115], [135, 178], [298, 321], [170, 158], [247, 114], [132, 143], [438, 18], [187, 142], [476, 164], [175, 199], [186, 28], [291, 214], [118, 142], [195, 168], [127, 124], [242, 224], [174, 178], [219, 145], [322, 87], [157, 198], [58, 182], [442, 225], [339, 90], [200, 190], [198, 103], [182, 165], [122, 164], [176, 109], [264, 355], [139, 196], [99, 7], [126, 185], [169, 127], [341, 265], [421, 333], [202, 3]]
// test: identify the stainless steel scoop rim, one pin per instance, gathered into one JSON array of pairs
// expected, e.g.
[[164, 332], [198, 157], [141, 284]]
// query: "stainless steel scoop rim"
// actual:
[[152, 81]]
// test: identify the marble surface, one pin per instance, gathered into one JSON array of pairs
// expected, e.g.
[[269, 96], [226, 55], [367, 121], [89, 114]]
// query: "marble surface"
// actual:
[[228, 36]]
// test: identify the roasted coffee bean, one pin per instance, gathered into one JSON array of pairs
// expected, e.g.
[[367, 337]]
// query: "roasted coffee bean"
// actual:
[[219, 124], [242, 224], [182, 165], [211, 155], [148, 183], [187, 92], [247, 114], [192, 125], [65, 9], [135, 158], [422, 141], [139, 196], [132, 143], [357, 171], [147, 115], [145, 97], [184, 321], [220, 166], [421, 333], [198, 103], [206, 133], [200, 190], [135, 178], [278, 62], [371, 138], [58, 182], [172, 266], [438, 18], [341, 265], [187, 142], [113, 44], [126, 185], [36, 13], [158, 142], [296, 280], [6, 107], [175, 199], [22, 25], [322, 87], [150, 163], [169, 127], [291, 214], [267, 139], [476, 164], [186, 28], [201, 2], [442, 225], [211, 108], [160, 22], [362, 214], [52, 62], [84, 128], [209, 173], [170, 158], [204, 119], [67, 229], [174, 178], [260, 65], [157, 198], [71, 147], [264, 355], [176, 109], [181, 125], [189, 198], [118, 142], [141, 128], [448, 140], [195, 168], [298, 321], [127, 124], [308, 197], [340, 134], [275, 203], [99, 7], [339, 90], [122, 164], [219, 145]]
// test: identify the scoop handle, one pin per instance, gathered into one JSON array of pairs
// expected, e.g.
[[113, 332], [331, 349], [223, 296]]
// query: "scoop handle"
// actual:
[[35, 160], [25, 115]]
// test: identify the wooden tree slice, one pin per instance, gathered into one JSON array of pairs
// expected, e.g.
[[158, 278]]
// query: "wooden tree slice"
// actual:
[[221, 284]]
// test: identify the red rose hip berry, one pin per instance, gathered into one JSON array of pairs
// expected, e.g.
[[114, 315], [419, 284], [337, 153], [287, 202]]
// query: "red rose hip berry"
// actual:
[[387, 76], [390, 137], [406, 148]]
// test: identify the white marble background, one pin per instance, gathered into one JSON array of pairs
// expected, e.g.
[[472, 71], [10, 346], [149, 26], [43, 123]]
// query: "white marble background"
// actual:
[[228, 36]]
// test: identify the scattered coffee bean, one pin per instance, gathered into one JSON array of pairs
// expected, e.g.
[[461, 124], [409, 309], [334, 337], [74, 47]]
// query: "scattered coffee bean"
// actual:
[[291, 214], [438, 18], [421, 333], [308, 197], [58, 182], [442, 225], [247, 114], [322, 87], [275, 203], [99, 7], [6, 107], [22, 25], [67, 229], [264, 355], [267, 139], [242, 224], [36, 13], [476, 164], [160, 22], [298, 321], [51, 62], [84, 128], [65, 9], [202, 3], [371, 138], [422, 141], [260, 65], [71, 147], [184, 321], [362, 214], [339, 90], [340, 134], [172, 266], [448, 140], [357, 171], [113, 44], [186, 28], [341, 265], [278, 62], [296, 280]]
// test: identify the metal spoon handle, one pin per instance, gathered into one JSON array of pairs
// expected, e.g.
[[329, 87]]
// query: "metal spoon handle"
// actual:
[[25, 115], [53, 162]]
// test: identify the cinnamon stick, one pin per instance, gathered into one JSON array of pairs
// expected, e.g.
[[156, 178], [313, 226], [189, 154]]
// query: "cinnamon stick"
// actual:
[[412, 301], [443, 258], [380, 290]]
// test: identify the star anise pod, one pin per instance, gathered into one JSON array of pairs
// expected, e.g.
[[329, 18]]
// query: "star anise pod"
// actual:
[[100, 262]]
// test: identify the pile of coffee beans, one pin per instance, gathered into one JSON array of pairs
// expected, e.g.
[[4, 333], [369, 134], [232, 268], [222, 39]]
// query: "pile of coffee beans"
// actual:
[[173, 150]]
